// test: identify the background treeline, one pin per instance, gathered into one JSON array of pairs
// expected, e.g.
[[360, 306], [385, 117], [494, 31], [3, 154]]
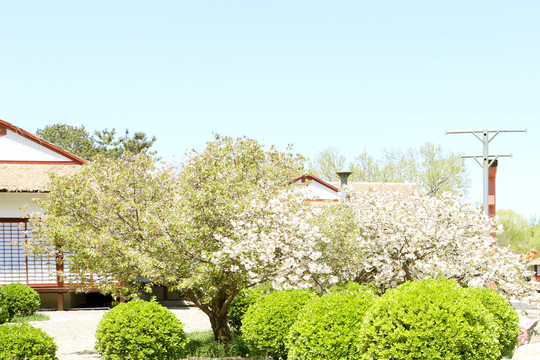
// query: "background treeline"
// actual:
[[519, 233], [430, 167], [434, 170], [78, 141]]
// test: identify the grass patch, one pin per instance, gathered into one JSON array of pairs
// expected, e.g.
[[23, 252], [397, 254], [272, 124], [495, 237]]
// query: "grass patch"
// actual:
[[202, 344], [25, 319]]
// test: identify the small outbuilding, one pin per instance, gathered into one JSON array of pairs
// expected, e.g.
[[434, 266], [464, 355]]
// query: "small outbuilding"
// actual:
[[26, 163], [318, 190], [536, 264]]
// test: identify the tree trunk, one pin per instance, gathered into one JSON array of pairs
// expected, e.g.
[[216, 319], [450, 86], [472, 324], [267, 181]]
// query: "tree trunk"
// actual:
[[408, 276], [217, 312], [220, 327]]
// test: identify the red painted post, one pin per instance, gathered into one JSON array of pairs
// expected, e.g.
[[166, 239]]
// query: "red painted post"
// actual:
[[491, 191]]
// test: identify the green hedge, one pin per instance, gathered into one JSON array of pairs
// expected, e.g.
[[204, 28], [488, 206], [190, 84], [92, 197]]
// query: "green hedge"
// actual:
[[242, 302], [23, 341], [429, 319], [504, 314], [4, 314], [266, 323], [21, 300], [140, 330], [328, 327]]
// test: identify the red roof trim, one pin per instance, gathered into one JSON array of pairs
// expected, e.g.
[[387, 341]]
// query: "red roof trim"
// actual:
[[316, 179], [39, 162], [26, 191], [48, 145]]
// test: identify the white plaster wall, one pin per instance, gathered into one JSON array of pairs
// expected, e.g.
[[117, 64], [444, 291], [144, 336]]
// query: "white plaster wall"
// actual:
[[14, 147], [11, 203], [322, 192], [316, 190]]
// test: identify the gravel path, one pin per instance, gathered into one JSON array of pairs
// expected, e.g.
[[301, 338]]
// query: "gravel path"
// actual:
[[73, 331]]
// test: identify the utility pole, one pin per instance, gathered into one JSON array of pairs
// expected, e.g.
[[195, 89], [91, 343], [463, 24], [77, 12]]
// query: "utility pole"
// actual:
[[485, 136]]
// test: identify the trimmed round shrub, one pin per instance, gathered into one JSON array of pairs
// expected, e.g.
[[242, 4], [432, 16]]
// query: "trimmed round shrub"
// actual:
[[21, 300], [140, 330], [266, 323], [23, 341], [505, 316], [328, 327], [4, 315], [352, 286], [242, 302], [429, 319]]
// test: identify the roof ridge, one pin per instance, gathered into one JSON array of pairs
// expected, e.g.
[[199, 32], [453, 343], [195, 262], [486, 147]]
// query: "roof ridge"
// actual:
[[76, 160]]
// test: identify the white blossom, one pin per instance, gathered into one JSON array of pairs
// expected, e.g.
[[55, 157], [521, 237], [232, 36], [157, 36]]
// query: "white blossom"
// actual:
[[277, 238], [399, 237]]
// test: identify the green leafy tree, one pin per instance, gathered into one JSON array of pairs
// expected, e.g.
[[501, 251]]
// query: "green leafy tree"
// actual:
[[514, 231], [220, 186], [327, 163], [120, 219], [436, 171], [108, 144], [518, 233], [433, 170], [73, 139], [114, 218], [78, 141], [389, 168], [534, 232]]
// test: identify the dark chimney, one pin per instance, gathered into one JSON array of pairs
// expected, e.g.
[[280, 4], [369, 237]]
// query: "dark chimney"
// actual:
[[343, 175]]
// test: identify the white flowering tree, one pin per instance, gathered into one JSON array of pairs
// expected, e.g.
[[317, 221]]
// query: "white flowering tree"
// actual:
[[277, 243], [221, 221], [387, 238]]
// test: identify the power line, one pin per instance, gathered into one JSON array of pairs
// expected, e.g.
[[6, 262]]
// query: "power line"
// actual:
[[487, 159]]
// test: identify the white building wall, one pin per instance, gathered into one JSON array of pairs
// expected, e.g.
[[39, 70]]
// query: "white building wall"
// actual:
[[11, 203], [317, 191], [14, 147]]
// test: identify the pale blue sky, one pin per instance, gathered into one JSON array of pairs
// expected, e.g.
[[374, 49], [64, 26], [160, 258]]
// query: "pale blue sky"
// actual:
[[354, 75]]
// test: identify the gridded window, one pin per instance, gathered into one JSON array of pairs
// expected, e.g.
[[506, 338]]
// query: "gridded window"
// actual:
[[14, 265]]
